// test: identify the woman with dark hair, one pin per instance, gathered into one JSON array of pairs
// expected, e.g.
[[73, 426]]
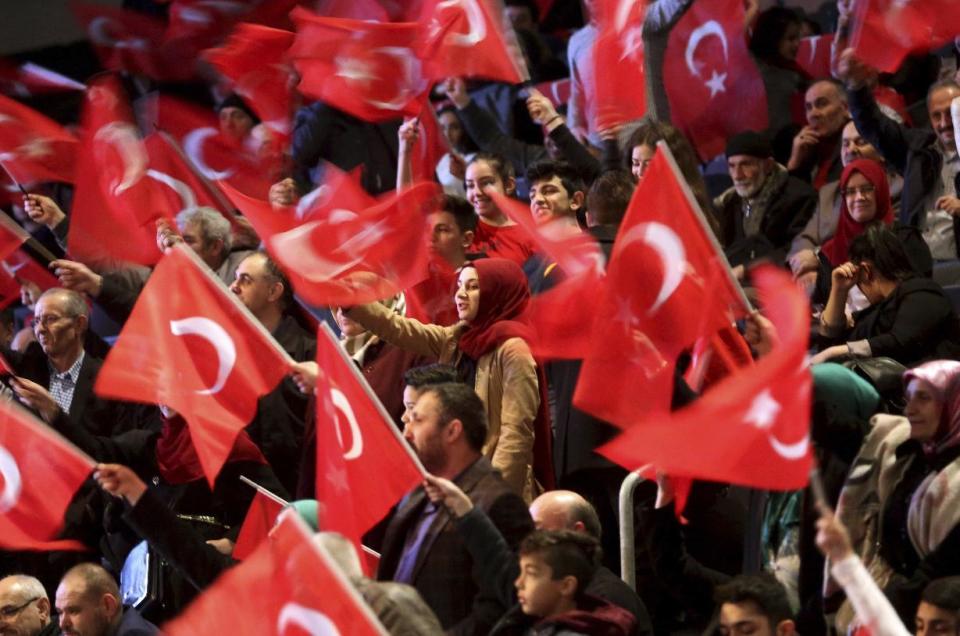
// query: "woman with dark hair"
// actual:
[[642, 145], [774, 44], [496, 235], [909, 319]]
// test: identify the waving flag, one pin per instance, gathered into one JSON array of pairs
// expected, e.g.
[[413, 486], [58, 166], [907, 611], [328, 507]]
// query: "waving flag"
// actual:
[[886, 31], [619, 96], [34, 148]]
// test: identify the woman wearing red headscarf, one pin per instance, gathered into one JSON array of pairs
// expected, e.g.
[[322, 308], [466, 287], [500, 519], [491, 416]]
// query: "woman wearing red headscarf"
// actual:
[[489, 347]]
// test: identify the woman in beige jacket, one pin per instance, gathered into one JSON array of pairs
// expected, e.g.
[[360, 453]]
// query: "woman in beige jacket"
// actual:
[[489, 347]]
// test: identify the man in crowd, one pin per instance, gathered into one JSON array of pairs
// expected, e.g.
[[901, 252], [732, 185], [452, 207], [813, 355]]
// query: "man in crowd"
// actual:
[[447, 428], [766, 207], [815, 156], [24, 607], [927, 159], [88, 602], [939, 609], [753, 604]]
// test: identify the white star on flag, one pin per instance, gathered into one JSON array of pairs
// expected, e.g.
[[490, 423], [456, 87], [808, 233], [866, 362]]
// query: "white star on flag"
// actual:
[[715, 83], [763, 410]]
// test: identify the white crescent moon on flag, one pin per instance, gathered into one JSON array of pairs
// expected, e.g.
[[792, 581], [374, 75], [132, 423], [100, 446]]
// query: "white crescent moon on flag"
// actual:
[[218, 338], [306, 262], [310, 620], [187, 197], [791, 452], [12, 483], [476, 22], [193, 145], [410, 66], [710, 27], [669, 248], [123, 136], [356, 437]]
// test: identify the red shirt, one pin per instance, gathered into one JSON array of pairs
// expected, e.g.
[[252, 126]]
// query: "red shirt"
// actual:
[[506, 241]]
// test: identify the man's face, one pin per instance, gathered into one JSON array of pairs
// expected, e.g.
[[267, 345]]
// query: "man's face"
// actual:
[[550, 200], [451, 127], [740, 619], [80, 615], [210, 252], [853, 146], [235, 124], [748, 174], [826, 109], [938, 107], [424, 432], [537, 592], [410, 396], [254, 285], [446, 239], [56, 331], [936, 621], [20, 613]]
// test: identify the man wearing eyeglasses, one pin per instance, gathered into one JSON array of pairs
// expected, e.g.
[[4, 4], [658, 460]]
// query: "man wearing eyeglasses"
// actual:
[[24, 607]]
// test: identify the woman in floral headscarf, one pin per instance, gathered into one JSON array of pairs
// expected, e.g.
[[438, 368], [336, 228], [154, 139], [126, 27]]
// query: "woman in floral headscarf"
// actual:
[[902, 496]]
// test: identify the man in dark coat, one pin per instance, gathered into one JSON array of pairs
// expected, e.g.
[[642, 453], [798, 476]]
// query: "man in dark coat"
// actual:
[[421, 546], [88, 601]]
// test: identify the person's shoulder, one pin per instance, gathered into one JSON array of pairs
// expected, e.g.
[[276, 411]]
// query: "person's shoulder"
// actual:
[[133, 624]]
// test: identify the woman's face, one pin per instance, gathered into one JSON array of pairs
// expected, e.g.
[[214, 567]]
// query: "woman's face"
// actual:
[[451, 127], [861, 198], [640, 158], [467, 297], [480, 178], [923, 410], [348, 328], [790, 43]]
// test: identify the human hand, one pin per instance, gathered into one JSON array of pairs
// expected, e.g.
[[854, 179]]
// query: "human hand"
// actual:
[[844, 277], [738, 271], [408, 134], [223, 546], [761, 334], [458, 166], [804, 261], [444, 491], [120, 481], [77, 276], [283, 194], [456, 91], [541, 109], [833, 540], [36, 397], [950, 205], [804, 144], [610, 134], [43, 210], [167, 235], [304, 375], [828, 354], [852, 71]]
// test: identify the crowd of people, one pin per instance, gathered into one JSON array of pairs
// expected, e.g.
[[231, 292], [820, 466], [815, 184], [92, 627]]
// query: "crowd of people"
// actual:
[[852, 186]]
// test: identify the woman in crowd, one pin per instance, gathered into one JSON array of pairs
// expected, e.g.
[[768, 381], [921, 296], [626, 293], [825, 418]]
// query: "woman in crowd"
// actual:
[[900, 501], [909, 319], [774, 44], [489, 347]]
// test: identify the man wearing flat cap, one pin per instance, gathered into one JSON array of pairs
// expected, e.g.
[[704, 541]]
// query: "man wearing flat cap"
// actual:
[[765, 208]]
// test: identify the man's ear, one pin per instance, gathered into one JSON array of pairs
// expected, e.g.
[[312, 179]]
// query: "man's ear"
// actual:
[[43, 606], [568, 586], [82, 323], [453, 430], [786, 628], [577, 200], [510, 186], [276, 291], [467, 239], [110, 605]]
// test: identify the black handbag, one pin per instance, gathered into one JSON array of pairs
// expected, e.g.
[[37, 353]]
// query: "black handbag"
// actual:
[[885, 375]]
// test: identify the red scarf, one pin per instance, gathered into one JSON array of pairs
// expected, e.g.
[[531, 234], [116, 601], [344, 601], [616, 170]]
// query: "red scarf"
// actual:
[[177, 459], [837, 248], [504, 298]]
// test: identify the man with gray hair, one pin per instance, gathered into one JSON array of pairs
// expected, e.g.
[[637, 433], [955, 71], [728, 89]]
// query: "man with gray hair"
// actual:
[[24, 607], [55, 375]]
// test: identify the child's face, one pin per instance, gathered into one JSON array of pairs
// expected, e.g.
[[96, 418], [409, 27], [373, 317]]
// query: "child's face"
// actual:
[[538, 593]]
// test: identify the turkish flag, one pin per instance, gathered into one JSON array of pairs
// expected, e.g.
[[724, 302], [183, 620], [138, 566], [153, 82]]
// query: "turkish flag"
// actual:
[[367, 69], [753, 428], [716, 356], [191, 345], [134, 42], [712, 83], [620, 96], [29, 79], [431, 300], [33, 147], [430, 147], [17, 268], [253, 59], [185, 187], [886, 31], [465, 39], [813, 56], [39, 474], [356, 438], [261, 516], [307, 593], [197, 132], [667, 284], [351, 257], [12, 236], [562, 321]]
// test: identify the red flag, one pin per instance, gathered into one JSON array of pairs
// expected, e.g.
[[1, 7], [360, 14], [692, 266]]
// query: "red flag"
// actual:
[[307, 593], [557, 91], [620, 97], [367, 69], [353, 257], [562, 322], [29, 79], [465, 39], [813, 56], [667, 284], [753, 428], [716, 356], [253, 59], [20, 266], [191, 345], [34, 148], [430, 147], [12, 236], [886, 31], [39, 474], [185, 187], [261, 516], [356, 439], [712, 83]]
